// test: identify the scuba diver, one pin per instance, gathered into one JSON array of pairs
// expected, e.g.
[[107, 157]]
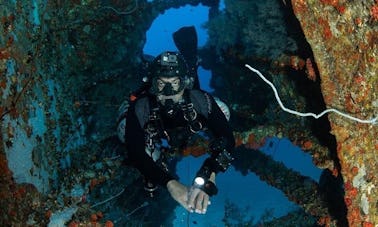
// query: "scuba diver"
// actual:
[[168, 115]]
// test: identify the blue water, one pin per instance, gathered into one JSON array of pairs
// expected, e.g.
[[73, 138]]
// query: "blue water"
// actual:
[[248, 192], [159, 36], [253, 196]]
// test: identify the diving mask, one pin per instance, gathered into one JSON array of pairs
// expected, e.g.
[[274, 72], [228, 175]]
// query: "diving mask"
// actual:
[[168, 86]]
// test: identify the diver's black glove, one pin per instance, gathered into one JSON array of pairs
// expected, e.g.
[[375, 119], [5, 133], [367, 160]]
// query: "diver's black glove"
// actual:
[[221, 157]]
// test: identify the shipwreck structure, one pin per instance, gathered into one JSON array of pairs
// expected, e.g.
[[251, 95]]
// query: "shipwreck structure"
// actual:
[[66, 66]]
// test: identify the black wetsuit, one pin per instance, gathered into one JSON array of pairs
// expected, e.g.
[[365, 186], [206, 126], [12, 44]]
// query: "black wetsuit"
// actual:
[[215, 122]]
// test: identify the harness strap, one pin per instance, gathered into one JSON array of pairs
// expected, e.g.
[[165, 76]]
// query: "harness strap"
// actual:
[[154, 127], [190, 114]]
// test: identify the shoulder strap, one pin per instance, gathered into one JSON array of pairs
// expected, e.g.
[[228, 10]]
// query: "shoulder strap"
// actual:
[[201, 102]]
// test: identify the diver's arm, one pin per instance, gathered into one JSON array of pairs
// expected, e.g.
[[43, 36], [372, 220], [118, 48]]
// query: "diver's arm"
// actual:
[[135, 145], [220, 148], [204, 183], [223, 144]]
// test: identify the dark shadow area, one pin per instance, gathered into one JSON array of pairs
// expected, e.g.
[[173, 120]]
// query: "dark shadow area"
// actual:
[[331, 187]]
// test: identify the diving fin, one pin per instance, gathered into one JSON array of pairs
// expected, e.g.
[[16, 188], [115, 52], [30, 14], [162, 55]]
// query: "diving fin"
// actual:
[[186, 42]]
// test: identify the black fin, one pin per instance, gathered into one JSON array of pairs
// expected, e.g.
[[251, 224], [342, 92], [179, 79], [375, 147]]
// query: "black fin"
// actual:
[[186, 42]]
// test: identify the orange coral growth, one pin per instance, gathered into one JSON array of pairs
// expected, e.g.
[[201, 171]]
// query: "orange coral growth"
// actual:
[[341, 9], [12, 17], [335, 3], [327, 34], [238, 140], [4, 19], [3, 84], [109, 224], [367, 224], [195, 151], [374, 12], [5, 173], [48, 214], [358, 79], [352, 192], [94, 218], [348, 186], [4, 54], [349, 103], [354, 216], [358, 21], [299, 6], [19, 193], [186, 151], [310, 70], [341, 133], [251, 138], [73, 224], [355, 171], [253, 144], [77, 104], [94, 182], [330, 2], [307, 145], [296, 62], [99, 214], [348, 201], [335, 172], [328, 94], [324, 221]]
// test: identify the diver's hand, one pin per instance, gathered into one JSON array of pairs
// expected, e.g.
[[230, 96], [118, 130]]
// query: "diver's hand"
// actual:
[[179, 192], [198, 199]]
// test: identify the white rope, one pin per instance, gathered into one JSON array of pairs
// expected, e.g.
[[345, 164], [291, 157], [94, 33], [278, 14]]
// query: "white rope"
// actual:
[[370, 121], [107, 200]]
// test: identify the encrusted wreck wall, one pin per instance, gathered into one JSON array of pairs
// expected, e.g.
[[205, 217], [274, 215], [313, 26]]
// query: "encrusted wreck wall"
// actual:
[[51, 57], [344, 38], [39, 126]]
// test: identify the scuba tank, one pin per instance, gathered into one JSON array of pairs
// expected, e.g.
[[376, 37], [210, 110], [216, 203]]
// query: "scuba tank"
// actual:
[[123, 108]]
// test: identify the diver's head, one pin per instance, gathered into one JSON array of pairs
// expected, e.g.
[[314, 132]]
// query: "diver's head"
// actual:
[[168, 86], [169, 75]]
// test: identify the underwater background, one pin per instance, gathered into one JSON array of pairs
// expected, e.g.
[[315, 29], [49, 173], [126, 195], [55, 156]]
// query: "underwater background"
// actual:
[[66, 67]]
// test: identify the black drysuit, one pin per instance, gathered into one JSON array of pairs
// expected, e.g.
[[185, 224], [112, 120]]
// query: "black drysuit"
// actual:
[[209, 114]]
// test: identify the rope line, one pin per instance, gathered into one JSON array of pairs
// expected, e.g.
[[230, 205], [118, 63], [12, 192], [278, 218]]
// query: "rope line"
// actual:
[[107, 200], [364, 121], [122, 13]]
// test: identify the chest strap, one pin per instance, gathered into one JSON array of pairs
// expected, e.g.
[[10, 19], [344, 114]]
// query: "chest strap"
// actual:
[[154, 128], [190, 114]]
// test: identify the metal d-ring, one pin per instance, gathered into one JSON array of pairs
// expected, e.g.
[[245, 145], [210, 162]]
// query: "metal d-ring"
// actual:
[[199, 128], [189, 110]]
